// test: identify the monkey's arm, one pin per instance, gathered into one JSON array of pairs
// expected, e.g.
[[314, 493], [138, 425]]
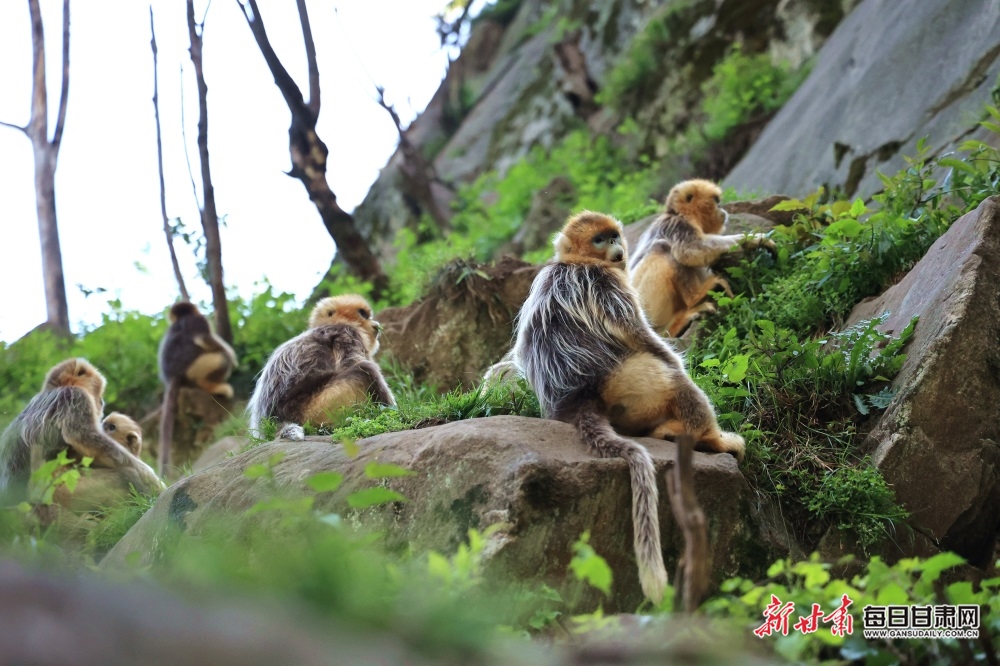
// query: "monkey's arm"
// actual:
[[213, 343], [378, 390], [704, 249], [81, 430]]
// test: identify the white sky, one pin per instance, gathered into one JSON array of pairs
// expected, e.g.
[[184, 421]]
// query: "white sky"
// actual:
[[107, 193]]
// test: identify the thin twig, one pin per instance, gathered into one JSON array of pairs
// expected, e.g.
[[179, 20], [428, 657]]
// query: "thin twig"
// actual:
[[64, 92], [13, 126], [159, 163], [184, 140]]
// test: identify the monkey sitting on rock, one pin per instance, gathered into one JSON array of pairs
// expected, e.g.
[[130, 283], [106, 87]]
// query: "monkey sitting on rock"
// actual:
[[322, 371], [670, 267], [66, 415], [591, 357], [190, 355]]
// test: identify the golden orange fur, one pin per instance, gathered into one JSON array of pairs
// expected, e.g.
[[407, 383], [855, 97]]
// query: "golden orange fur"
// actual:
[[348, 309], [670, 268]]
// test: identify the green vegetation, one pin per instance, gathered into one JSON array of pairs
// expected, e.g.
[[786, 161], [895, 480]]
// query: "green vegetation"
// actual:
[[801, 394], [743, 87], [637, 74], [489, 211]]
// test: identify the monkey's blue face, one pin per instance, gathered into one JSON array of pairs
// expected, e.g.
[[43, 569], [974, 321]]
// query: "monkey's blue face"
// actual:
[[609, 244]]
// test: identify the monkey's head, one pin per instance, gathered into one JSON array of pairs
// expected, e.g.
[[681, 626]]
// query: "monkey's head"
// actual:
[[182, 309], [698, 201], [592, 238], [80, 373], [349, 309], [124, 430]]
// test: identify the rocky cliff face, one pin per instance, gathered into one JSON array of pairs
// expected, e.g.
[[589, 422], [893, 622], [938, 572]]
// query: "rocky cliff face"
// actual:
[[533, 72], [892, 73]]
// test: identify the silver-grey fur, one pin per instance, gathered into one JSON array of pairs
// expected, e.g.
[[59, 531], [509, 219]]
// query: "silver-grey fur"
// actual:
[[573, 331]]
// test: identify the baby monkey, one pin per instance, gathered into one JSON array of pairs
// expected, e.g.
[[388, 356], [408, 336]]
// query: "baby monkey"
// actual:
[[670, 267]]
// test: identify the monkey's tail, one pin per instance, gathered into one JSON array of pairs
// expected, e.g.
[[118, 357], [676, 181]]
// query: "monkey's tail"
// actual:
[[168, 416], [602, 440]]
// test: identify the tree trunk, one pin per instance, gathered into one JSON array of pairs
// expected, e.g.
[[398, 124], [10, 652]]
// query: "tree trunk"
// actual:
[[309, 153], [46, 153], [209, 214]]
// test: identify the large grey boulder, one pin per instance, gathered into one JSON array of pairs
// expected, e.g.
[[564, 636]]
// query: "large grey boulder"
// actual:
[[892, 72], [530, 475], [937, 443]]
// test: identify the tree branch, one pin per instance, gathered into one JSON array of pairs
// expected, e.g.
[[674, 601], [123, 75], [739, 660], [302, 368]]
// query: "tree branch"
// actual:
[[286, 84], [309, 156], [184, 140], [418, 171], [13, 126], [209, 214], [64, 92], [159, 163], [307, 37], [692, 577], [39, 123]]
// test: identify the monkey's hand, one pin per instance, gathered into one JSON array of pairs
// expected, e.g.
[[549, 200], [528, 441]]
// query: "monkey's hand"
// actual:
[[142, 476], [757, 241]]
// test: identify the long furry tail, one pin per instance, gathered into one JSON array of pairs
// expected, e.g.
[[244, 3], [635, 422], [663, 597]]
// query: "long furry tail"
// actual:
[[168, 416], [602, 440]]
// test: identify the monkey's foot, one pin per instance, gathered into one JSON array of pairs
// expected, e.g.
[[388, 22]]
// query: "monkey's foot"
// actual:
[[668, 429], [726, 442], [292, 431]]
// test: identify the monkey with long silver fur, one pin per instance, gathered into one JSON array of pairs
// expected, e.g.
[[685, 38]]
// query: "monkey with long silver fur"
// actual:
[[66, 414], [588, 352], [324, 370]]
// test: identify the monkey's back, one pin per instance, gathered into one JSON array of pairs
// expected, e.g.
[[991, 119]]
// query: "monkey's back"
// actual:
[[177, 349], [669, 227], [573, 332], [36, 433], [301, 368]]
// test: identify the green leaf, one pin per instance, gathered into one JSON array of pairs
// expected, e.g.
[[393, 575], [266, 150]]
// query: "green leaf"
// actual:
[[790, 204], [367, 497], [846, 228], [594, 570], [932, 567], [255, 471], [857, 208], [351, 449], [377, 470], [957, 164], [438, 566], [993, 127], [736, 368], [325, 482]]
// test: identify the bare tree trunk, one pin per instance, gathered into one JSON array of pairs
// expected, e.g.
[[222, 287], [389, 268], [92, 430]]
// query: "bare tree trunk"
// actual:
[[309, 153], [159, 163], [46, 153], [209, 214]]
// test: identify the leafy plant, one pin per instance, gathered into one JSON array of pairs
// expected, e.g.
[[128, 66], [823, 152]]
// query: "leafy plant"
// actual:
[[743, 86]]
